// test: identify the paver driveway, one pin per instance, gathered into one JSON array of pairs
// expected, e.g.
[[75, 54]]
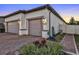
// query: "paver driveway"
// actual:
[[10, 42], [68, 43]]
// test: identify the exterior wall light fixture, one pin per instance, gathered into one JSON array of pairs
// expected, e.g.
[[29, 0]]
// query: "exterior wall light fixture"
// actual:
[[44, 21]]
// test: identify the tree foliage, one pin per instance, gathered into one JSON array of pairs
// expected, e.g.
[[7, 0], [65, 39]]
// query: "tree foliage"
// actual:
[[77, 22], [72, 21]]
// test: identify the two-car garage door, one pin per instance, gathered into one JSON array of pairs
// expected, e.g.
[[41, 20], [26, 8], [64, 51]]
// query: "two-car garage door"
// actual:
[[13, 27], [35, 27]]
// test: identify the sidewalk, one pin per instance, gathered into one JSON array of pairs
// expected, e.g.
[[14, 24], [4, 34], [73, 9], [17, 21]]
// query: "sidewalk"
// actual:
[[68, 43]]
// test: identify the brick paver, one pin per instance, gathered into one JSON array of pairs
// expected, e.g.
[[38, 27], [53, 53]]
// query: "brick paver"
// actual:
[[68, 43], [10, 42]]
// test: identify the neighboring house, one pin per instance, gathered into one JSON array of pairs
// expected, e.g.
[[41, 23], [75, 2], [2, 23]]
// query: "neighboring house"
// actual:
[[2, 20], [38, 21]]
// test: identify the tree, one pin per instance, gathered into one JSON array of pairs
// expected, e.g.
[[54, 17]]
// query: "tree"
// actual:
[[72, 21], [77, 22]]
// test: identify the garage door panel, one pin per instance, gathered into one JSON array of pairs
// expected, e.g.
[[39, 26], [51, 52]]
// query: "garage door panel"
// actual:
[[35, 32], [35, 27], [13, 27]]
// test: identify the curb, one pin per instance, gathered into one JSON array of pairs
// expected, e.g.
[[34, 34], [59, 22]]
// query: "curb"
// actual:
[[70, 53]]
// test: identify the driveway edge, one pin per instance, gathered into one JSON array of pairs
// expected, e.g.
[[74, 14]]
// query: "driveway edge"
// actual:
[[75, 45], [62, 40], [64, 50]]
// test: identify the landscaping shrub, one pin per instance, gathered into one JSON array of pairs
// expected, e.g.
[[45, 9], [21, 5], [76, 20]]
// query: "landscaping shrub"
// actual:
[[55, 48], [59, 37], [50, 48], [76, 38], [28, 49], [40, 43]]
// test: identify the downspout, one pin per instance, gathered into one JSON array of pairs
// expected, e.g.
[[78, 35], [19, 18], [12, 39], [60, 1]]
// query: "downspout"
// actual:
[[49, 24]]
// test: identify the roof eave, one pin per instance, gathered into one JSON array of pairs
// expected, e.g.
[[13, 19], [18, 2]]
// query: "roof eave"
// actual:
[[36, 9]]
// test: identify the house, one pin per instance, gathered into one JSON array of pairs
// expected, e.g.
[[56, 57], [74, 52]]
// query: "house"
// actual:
[[2, 20], [37, 22]]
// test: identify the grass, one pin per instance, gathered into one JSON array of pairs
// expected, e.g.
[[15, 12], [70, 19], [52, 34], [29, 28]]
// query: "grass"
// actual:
[[59, 37], [77, 39]]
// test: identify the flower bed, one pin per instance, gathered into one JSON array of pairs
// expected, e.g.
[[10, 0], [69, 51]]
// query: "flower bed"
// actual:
[[43, 47]]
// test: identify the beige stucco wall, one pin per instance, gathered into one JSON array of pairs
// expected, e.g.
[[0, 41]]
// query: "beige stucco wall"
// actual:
[[55, 22], [14, 17]]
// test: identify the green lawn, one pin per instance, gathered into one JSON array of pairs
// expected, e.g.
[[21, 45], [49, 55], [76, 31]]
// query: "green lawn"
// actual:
[[77, 39], [59, 37]]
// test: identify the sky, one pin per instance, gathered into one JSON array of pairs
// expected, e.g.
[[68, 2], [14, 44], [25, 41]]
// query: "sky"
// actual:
[[66, 11]]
